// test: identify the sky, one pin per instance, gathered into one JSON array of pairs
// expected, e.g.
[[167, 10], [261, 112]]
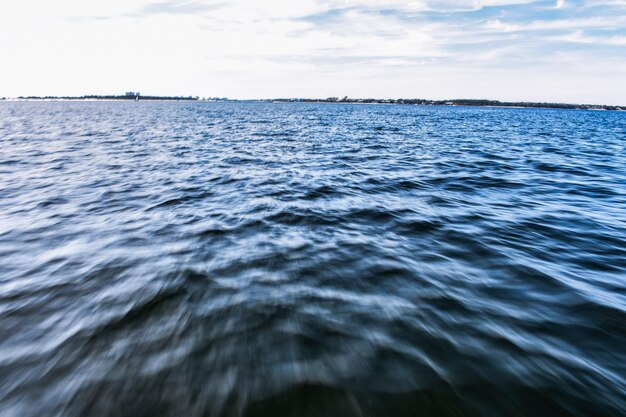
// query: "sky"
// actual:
[[519, 50]]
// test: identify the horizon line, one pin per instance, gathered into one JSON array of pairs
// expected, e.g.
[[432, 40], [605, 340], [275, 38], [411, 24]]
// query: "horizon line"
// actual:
[[345, 99]]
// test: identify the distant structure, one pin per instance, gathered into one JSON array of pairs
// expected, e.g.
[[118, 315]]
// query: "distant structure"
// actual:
[[131, 94], [213, 99]]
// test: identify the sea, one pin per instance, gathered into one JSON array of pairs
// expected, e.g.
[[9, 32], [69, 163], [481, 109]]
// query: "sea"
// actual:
[[299, 259]]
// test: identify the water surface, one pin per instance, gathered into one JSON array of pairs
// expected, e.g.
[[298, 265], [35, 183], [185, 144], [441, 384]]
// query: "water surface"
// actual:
[[216, 259]]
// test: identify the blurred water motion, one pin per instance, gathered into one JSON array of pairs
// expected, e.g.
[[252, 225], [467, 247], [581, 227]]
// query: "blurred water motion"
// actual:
[[216, 259]]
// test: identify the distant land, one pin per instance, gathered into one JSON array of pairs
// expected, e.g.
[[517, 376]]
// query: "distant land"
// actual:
[[132, 96], [455, 102], [135, 96]]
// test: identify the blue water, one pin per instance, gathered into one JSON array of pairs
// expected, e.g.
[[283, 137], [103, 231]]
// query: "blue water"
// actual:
[[242, 259]]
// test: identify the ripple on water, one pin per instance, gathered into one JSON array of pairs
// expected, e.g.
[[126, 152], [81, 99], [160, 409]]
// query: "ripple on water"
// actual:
[[221, 259]]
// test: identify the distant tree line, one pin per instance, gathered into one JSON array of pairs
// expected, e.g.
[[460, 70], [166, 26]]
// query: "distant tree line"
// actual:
[[455, 102], [108, 97]]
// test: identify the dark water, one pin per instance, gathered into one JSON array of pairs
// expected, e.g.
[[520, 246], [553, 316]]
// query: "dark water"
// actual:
[[199, 259]]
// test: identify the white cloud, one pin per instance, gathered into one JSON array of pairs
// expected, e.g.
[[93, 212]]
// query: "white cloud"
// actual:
[[243, 48]]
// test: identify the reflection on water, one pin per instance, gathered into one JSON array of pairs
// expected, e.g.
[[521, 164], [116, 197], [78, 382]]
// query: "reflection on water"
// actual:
[[214, 259]]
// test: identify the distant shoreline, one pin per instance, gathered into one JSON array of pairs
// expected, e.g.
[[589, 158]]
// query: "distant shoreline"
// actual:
[[126, 97], [458, 102], [331, 100]]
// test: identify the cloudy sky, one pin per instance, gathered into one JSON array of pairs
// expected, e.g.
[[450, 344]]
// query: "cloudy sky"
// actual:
[[565, 50]]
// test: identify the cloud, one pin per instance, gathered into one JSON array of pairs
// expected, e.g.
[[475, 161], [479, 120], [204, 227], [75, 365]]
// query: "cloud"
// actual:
[[251, 48], [580, 37], [176, 7]]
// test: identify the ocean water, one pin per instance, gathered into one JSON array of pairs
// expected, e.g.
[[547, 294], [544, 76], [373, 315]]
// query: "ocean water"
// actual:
[[246, 259]]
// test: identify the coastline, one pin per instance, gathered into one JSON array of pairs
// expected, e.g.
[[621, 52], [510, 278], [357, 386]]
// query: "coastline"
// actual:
[[461, 102], [94, 97], [331, 100]]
